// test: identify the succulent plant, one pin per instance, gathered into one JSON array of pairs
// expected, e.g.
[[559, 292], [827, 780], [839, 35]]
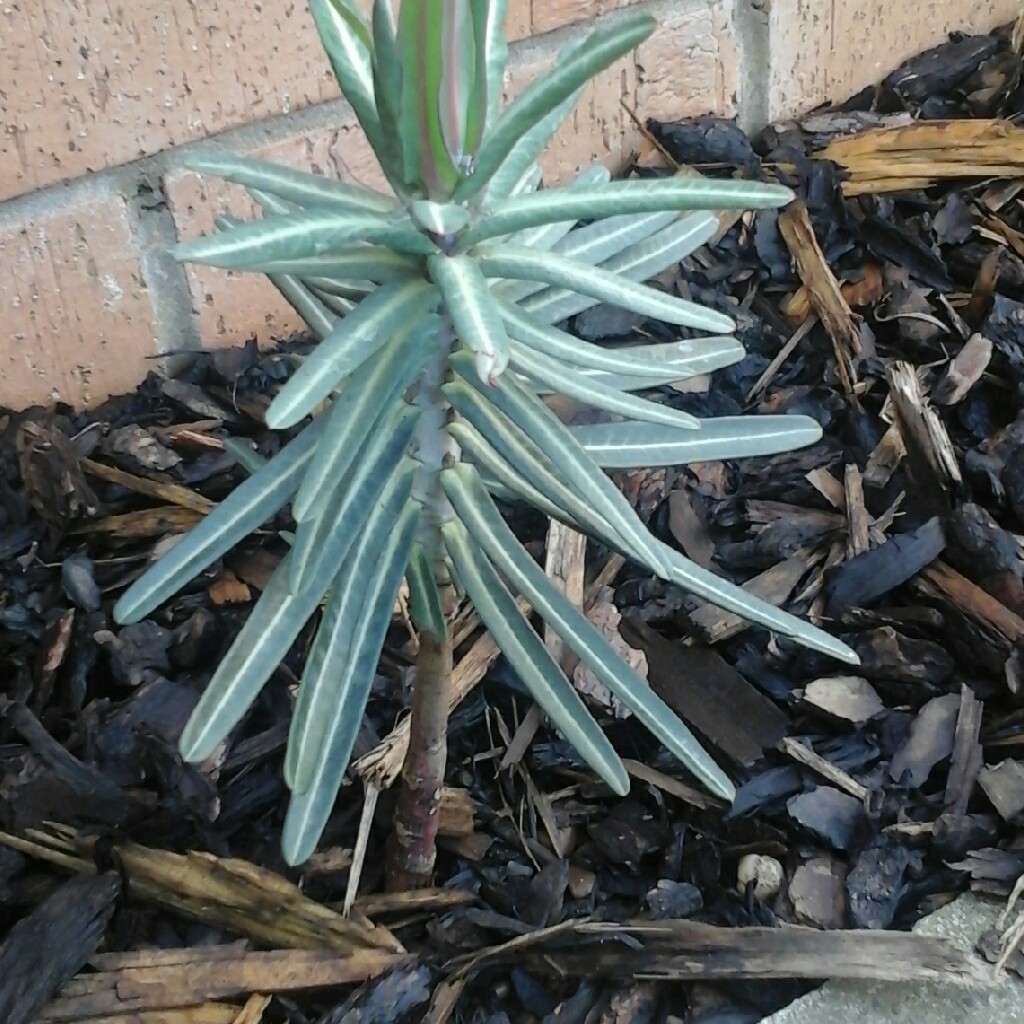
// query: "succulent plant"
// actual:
[[437, 309]]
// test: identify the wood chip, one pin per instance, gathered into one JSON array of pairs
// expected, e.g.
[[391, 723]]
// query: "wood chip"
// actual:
[[225, 892], [823, 289], [917, 156], [44, 950], [201, 975]]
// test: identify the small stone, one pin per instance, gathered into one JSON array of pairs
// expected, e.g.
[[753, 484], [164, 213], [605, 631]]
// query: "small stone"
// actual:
[[765, 872]]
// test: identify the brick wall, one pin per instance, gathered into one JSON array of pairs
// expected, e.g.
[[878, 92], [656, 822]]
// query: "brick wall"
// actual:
[[108, 98]]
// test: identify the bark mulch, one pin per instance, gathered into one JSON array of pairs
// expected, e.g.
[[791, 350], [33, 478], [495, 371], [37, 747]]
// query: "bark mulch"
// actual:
[[888, 303]]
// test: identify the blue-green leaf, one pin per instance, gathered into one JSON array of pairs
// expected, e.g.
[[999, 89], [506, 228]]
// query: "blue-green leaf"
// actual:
[[317, 316], [301, 187], [518, 262], [483, 521], [527, 654], [573, 69], [470, 306], [299, 236], [371, 325], [631, 445], [357, 263], [371, 393], [260, 646], [461, 101], [500, 475], [519, 174], [675, 360], [564, 380], [387, 67], [491, 55], [380, 578], [421, 45], [348, 42], [250, 505], [324, 675], [344, 512], [638, 262], [597, 513], [633, 196]]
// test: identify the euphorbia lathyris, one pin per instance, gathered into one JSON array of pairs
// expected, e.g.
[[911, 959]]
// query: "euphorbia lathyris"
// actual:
[[437, 308]]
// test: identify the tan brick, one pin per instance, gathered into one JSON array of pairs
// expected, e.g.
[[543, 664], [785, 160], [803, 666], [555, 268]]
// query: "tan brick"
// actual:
[[692, 55], [77, 322], [687, 67], [552, 14], [825, 52], [98, 84]]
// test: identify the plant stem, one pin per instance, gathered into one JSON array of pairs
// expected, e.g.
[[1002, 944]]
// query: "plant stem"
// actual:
[[411, 853]]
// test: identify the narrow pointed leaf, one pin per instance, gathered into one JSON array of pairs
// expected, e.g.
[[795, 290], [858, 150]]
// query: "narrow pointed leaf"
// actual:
[[684, 573], [518, 262], [370, 394], [268, 634], [593, 243], [566, 381], [352, 496], [425, 605], [573, 69], [315, 314], [527, 654], [387, 67], [470, 305], [347, 41], [596, 242], [461, 103], [497, 471], [569, 485], [491, 55], [371, 325], [298, 236], [639, 262], [545, 237], [323, 678], [358, 263], [420, 42], [676, 360], [300, 187], [250, 505], [520, 166], [309, 811], [562, 449], [633, 196], [632, 445], [501, 546]]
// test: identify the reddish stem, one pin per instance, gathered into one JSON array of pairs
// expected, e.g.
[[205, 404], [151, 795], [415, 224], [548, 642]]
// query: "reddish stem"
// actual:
[[411, 849]]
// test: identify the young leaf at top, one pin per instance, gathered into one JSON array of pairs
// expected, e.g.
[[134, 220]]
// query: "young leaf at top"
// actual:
[[348, 43], [601, 48]]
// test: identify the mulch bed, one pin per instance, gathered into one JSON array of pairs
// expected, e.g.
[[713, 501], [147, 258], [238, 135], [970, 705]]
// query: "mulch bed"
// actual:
[[889, 304]]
